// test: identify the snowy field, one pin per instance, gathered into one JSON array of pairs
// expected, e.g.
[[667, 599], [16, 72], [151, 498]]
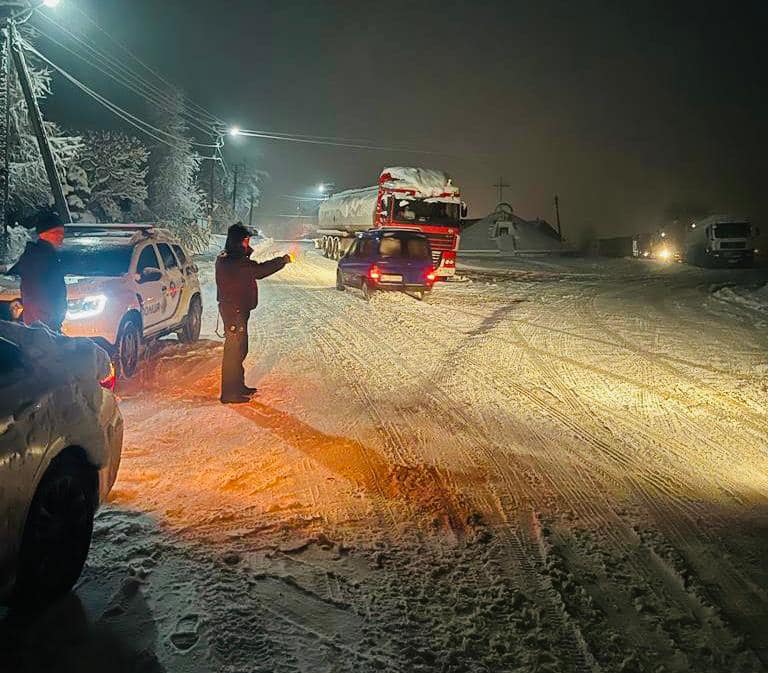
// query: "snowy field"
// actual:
[[559, 467]]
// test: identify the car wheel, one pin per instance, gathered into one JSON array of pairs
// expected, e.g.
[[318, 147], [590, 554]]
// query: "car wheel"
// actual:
[[57, 533], [128, 349], [340, 281], [367, 291], [191, 330], [420, 295]]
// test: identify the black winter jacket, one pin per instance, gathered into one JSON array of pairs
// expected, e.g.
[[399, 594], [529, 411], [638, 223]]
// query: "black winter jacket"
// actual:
[[43, 291], [236, 276]]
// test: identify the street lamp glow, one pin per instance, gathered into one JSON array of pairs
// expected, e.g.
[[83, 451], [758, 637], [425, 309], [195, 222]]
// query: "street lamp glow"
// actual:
[[321, 188], [234, 131], [51, 3]]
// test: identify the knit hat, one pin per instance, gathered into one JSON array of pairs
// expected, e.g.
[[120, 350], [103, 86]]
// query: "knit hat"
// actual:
[[48, 221]]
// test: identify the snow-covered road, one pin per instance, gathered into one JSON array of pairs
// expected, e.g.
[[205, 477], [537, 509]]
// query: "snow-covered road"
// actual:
[[558, 469]]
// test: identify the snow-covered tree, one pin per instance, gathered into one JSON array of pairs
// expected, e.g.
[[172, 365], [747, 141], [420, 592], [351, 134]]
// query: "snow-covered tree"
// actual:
[[114, 185], [248, 185], [174, 196], [29, 186]]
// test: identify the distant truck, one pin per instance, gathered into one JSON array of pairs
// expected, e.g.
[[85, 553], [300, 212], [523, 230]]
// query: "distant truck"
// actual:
[[721, 240], [418, 199]]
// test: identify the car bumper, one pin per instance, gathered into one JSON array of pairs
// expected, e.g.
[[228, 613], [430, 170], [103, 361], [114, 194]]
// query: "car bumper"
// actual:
[[404, 287]]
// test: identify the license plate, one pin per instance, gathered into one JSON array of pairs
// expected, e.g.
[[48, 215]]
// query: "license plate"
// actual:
[[391, 278]]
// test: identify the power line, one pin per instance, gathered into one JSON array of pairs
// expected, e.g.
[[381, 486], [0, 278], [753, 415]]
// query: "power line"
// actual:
[[143, 126], [146, 67], [331, 143], [121, 74]]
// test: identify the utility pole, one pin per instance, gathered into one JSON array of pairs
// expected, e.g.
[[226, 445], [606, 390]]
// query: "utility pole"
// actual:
[[5, 119], [38, 125], [501, 186], [244, 167], [210, 191], [250, 213], [557, 216]]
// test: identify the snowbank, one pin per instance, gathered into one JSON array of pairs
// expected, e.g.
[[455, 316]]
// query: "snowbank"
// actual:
[[754, 299]]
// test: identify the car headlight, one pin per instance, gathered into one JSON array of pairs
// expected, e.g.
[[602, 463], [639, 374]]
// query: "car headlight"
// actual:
[[87, 307]]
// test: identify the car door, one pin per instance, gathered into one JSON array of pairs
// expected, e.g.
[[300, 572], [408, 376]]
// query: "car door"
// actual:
[[150, 286], [173, 286]]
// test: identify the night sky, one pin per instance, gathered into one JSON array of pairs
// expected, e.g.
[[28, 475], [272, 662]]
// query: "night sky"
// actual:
[[631, 114]]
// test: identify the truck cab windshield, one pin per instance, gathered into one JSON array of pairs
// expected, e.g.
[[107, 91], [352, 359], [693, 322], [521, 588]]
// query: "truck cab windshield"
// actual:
[[732, 230], [418, 210]]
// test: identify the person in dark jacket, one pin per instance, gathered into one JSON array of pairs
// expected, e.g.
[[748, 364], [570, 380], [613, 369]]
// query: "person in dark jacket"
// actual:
[[43, 291], [238, 294]]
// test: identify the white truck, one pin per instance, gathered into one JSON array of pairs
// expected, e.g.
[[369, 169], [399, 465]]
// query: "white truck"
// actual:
[[418, 199], [720, 240]]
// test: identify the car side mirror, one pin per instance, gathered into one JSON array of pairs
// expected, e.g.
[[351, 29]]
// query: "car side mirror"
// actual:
[[150, 274]]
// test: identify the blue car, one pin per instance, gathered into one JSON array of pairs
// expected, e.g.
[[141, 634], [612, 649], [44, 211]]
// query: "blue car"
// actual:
[[387, 259]]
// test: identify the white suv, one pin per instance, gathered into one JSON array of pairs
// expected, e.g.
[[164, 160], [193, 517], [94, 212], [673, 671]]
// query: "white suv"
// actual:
[[125, 284]]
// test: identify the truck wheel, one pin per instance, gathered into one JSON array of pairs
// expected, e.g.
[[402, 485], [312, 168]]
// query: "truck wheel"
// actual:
[[336, 249], [191, 330], [128, 349], [326, 247], [340, 281], [368, 291], [57, 533]]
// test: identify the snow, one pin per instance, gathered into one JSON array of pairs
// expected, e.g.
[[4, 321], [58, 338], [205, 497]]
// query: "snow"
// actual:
[[18, 237], [750, 298], [560, 468], [425, 182]]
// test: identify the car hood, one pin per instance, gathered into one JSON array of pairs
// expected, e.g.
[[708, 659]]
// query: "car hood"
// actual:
[[84, 286], [55, 358]]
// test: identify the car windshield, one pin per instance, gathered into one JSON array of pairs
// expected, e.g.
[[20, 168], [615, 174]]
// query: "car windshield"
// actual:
[[434, 212], [95, 260], [732, 230], [410, 247]]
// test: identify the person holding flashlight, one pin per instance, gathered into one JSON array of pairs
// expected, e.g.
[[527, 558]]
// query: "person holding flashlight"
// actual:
[[237, 292]]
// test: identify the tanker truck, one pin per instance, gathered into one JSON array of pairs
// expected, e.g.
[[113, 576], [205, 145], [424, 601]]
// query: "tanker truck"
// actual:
[[420, 199]]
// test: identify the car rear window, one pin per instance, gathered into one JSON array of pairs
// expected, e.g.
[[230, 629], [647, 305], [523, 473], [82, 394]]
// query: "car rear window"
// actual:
[[95, 260], [410, 247]]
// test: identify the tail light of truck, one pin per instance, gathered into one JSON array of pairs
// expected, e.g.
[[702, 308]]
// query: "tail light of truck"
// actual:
[[449, 259], [430, 275], [374, 273], [110, 380]]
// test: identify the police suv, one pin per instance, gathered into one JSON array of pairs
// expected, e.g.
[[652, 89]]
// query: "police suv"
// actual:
[[126, 284]]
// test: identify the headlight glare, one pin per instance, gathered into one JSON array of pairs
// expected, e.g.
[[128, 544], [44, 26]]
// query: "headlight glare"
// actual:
[[86, 307]]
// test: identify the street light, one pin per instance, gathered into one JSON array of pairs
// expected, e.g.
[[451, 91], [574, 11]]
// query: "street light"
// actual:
[[235, 131], [321, 188]]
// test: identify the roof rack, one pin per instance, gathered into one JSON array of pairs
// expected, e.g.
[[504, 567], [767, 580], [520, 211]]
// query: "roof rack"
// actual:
[[105, 229]]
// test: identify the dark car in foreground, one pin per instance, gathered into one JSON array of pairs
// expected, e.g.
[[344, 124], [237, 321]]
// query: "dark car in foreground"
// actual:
[[382, 259], [61, 436]]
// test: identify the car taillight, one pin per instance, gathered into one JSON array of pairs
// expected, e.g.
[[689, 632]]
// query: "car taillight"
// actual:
[[374, 273], [431, 275], [110, 380]]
